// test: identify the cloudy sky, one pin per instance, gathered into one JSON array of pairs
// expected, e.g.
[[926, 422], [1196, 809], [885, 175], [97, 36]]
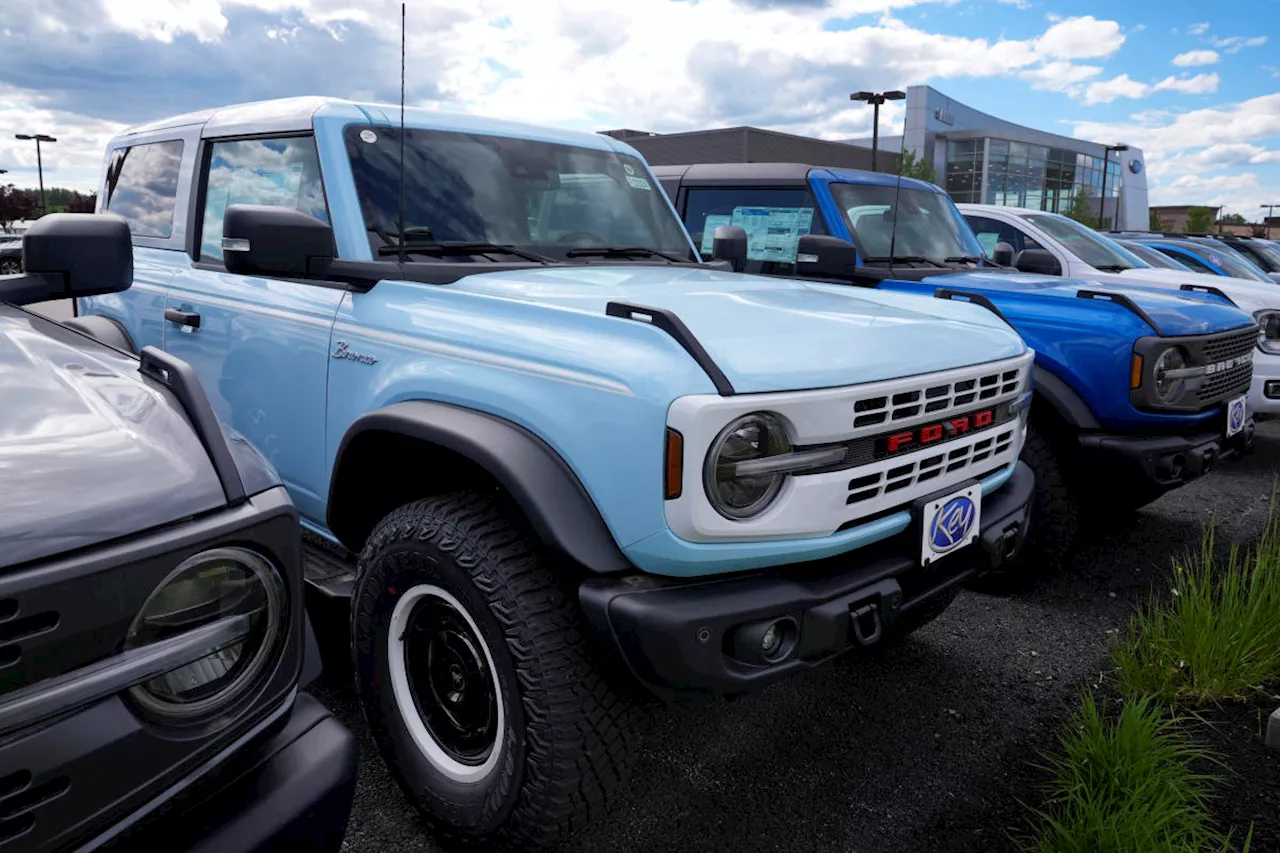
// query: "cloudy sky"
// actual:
[[1196, 84]]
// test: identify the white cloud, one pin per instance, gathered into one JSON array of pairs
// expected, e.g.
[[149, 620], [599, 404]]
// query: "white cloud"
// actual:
[[1080, 38], [1235, 44], [1193, 58], [1060, 76], [1227, 155], [1198, 29], [164, 19], [1106, 91]]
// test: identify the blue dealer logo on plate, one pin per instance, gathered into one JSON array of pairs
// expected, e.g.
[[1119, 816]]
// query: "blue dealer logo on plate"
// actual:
[[1236, 415], [952, 524]]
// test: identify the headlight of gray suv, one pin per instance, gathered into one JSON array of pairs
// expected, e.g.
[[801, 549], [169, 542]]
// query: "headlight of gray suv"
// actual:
[[750, 460], [229, 586], [1268, 331]]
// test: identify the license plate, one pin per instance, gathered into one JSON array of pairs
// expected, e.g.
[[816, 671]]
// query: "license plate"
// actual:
[[950, 523], [1237, 414]]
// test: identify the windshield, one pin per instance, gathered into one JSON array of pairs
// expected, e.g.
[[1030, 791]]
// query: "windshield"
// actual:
[[928, 224], [1227, 260], [541, 198], [1153, 258], [1262, 254], [1097, 251]]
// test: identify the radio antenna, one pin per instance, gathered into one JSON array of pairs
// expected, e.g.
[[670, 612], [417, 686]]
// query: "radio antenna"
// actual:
[[897, 194], [400, 224]]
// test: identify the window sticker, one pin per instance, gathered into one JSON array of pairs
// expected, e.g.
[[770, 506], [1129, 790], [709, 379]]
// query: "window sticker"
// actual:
[[709, 227], [639, 183], [773, 233], [369, 136]]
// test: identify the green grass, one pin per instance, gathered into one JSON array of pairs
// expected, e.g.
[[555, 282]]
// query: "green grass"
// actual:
[[1216, 635], [1126, 784]]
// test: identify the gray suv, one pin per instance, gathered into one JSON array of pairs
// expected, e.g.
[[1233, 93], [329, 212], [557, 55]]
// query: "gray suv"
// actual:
[[152, 632]]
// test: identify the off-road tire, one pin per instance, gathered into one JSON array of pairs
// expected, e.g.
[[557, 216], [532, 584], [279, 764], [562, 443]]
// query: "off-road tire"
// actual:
[[10, 266], [567, 735], [1055, 508]]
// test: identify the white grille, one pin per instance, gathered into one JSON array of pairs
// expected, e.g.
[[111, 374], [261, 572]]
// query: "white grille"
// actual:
[[934, 400]]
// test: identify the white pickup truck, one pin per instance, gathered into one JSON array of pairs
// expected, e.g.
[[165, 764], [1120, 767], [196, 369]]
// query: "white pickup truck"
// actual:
[[1037, 241]]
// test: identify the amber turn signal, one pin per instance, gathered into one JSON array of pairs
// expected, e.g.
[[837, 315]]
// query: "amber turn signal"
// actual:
[[673, 470], [1135, 371]]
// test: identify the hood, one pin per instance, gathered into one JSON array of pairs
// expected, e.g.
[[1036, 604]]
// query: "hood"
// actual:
[[776, 334], [1246, 293], [1175, 313], [89, 452]]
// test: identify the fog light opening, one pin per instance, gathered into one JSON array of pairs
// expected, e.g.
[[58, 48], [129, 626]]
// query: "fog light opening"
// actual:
[[768, 641], [1271, 390], [1177, 466]]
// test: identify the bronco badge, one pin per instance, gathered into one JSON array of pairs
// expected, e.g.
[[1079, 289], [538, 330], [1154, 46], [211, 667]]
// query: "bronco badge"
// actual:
[[342, 351]]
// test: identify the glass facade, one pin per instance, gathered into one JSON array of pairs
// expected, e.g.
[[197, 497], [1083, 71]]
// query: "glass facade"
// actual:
[[1020, 174]]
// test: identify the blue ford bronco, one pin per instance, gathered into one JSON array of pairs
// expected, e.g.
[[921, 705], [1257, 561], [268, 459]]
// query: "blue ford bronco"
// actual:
[[1137, 390], [547, 452], [152, 633]]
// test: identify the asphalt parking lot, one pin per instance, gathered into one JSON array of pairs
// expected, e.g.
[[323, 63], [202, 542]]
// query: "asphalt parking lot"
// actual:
[[923, 749]]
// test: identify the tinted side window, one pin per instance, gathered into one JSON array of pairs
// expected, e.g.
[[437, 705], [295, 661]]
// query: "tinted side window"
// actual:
[[774, 220], [992, 231], [1188, 259], [274, 172], [145, 187]]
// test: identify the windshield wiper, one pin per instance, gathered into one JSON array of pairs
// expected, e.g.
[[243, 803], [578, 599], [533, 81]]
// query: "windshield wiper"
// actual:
[[623, 252], [965, 259], [1112, 267], [461, 247], [911, 259]]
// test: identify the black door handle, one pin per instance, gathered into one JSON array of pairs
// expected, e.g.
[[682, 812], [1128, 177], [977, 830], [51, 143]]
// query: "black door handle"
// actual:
[[182, 318]]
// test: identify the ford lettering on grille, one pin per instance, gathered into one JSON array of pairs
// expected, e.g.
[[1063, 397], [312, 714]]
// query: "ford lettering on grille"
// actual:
[[912, 439]]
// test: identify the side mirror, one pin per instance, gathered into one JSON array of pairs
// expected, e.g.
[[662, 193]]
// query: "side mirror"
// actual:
[[275, 241], [67, 255], [821, 256], [730, 244], [1003, 254], [1038, 261]]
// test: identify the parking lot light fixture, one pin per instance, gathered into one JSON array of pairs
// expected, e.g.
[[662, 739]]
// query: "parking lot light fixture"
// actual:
[[876, 99], [38, 137]]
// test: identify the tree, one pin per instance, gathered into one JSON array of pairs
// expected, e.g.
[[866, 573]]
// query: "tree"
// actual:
[[1154, 222], [1199, 219], [912, 166], [16, 204], [78, 202], [1233, 219], [1080, 210]]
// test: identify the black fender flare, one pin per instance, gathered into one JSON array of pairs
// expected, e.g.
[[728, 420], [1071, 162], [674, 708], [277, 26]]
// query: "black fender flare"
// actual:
[[104, 329], [540, 482], [1064, 400]]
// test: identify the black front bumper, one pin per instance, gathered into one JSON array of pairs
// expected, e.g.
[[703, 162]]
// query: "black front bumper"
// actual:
[[290, 792], [702, 635], [1166, 460]]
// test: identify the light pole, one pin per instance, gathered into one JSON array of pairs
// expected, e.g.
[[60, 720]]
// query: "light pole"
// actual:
[[1106, 167], [1267, 222], [38, 137], [876, 99]]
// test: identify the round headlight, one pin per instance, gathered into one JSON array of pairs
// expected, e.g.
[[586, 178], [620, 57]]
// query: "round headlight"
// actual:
[[740, 494], [211, 587], [1268, 331], [1167, 387]]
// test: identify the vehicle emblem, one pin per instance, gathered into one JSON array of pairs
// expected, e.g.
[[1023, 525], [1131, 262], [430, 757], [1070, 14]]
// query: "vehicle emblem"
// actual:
[[1135, 166], [343, 351], [952, 524]]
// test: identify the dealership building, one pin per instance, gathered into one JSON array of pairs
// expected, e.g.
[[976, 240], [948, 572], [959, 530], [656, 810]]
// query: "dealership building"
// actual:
[[976, 157]]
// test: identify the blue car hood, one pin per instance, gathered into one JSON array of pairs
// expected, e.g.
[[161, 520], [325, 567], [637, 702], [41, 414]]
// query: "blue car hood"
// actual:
[[774, 334], [1176, 314]]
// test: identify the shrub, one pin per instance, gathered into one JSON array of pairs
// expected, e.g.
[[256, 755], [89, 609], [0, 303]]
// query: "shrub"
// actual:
[[1127, 784]]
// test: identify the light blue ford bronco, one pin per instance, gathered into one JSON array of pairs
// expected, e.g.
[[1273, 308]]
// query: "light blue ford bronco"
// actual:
[[548, 452]]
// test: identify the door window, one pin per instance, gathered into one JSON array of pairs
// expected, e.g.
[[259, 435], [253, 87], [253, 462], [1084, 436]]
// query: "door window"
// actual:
[[1189, 260], [276, 172], [143, 187], [991, 231], [774, 220]]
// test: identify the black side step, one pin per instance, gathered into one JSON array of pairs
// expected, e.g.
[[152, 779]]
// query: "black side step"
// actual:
[[328, 572]]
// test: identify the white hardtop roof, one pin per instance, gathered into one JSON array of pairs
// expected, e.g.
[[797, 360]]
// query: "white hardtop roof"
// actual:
[[290, 115], [1010, 209]]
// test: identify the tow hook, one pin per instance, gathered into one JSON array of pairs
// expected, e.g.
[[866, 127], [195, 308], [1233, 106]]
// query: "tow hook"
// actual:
[[865, 622], [1009, 542]]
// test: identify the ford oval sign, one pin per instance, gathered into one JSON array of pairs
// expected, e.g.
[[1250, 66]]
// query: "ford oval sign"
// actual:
[[953, 524], [1135, 166]]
